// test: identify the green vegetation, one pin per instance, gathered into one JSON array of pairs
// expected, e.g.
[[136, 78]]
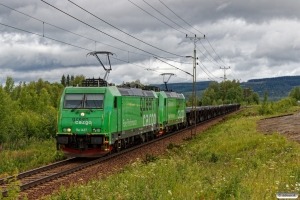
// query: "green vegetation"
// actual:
[[229, 161], [31, 153], [28, 113], [278, 87], [226, 93], [281, 106]]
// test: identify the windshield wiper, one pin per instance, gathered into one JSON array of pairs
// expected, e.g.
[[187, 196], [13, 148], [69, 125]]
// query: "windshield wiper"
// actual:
[[76, 106], [88, 108]]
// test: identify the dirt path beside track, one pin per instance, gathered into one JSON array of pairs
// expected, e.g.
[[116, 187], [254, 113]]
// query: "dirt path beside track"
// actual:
[[286, 125]]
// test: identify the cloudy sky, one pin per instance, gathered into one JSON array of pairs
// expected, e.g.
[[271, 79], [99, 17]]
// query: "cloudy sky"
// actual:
[[256, 39]]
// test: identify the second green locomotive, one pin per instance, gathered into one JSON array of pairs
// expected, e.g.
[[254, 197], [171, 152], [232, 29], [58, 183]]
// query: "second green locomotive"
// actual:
[[93, 121]]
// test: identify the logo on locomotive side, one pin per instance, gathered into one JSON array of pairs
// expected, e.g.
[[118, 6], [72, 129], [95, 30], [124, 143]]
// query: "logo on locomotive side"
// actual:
[[146, 104], [149, 119], [84, 121], [181, 114], [128, 122]]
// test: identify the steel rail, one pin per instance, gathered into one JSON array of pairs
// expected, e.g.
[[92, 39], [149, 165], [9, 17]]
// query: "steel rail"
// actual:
[[35, 171]]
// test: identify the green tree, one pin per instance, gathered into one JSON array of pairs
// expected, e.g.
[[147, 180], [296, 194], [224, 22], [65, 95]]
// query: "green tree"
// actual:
[[9, 85], [68, 80], [5, 114], [63, 80], [77, 80], [190, 101], [295, 93], [255, 97]]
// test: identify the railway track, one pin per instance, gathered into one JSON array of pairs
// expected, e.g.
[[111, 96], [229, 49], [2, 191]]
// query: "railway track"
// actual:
[[37, 177], [32, 177]]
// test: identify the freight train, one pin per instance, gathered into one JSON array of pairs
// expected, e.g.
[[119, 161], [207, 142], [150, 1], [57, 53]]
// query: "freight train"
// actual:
[[97, 119], [94, 121]]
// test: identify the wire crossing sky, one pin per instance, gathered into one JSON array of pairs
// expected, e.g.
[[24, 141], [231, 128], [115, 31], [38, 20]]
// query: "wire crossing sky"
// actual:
[[256, 39]]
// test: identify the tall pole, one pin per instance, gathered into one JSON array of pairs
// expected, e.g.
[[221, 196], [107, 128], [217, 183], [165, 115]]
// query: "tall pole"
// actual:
[[224, 68], [195, 40]]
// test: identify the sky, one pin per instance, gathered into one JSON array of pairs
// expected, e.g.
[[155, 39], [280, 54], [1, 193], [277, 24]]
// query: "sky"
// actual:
[[247, 39]]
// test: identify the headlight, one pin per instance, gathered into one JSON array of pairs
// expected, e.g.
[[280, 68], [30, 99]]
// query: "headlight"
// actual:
[[65, 130], [96, 130]]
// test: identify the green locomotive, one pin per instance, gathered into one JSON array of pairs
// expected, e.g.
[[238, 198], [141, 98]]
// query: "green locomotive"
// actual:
[[172, 111], [92, 121]]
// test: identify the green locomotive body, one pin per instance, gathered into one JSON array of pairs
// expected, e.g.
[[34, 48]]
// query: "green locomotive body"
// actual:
[[172, 111], [93, 121]]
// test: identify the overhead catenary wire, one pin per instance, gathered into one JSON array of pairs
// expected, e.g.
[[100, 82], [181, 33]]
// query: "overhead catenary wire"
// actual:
[[156, 17], [85, 36], [215, 51], [209, 53], [105, 32], [196, 30], [71, 31], [59, 41], [166, 17], [113, 27], [174, 66], [218, 65], [207, 71], [77, 35], [180, 17], [45, 37]]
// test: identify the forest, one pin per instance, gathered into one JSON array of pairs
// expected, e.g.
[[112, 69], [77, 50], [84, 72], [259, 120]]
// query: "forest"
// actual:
[[277, 87], [29, 110]]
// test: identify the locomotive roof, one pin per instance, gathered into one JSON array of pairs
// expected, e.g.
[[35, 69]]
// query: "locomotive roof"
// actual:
[[169, 94], [136, 92]]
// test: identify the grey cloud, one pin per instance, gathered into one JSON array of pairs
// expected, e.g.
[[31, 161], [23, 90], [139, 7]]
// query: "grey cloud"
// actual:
[[241, 32]]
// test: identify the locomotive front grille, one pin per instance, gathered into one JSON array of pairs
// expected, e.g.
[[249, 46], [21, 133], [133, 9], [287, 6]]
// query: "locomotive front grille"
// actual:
[[80, 142]]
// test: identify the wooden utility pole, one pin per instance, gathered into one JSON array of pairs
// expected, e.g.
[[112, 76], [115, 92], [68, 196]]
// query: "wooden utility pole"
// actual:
[[224, 80], [195, 40]]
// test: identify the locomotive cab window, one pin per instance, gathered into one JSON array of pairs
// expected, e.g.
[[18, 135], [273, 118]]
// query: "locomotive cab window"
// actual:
[[94, 100], [73, 101]]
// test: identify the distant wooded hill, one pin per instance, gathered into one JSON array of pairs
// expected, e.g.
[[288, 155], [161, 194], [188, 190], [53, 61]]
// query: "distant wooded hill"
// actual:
[[278, 87]]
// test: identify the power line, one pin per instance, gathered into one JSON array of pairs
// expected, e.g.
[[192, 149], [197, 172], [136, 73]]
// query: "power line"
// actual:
[[89, 50], [209, 53], [174, 66], [207, 69], [84, 36], [234, 75], [45, 37], [215, 52], [166, 16], [177, 61], [71, 31], [208, 58], [194, 29], [113, 27], [156, 17], [180, 17], [207, 73]]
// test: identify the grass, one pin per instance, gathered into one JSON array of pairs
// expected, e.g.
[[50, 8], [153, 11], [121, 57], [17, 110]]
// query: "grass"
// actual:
[[29, 154], [229, 161]]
